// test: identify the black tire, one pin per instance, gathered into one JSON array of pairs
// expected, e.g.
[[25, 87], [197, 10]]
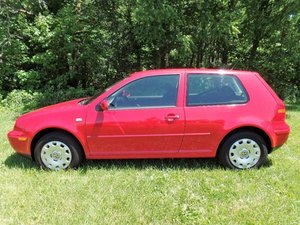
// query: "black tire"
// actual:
[[243, 150], [66, 144]]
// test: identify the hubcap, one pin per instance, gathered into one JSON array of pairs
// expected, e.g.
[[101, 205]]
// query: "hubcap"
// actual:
[[56, 155], [244, 153]]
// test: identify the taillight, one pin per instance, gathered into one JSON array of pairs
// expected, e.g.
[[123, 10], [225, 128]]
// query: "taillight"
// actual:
[[280, 114]]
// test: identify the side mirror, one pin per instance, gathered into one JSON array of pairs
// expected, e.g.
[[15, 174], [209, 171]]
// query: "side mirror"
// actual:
[[104, 105]]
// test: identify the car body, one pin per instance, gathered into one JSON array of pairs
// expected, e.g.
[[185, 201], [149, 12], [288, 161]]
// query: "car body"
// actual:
[[166, 113]]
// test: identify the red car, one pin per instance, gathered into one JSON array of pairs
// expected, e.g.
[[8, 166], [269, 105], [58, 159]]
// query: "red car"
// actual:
[[168, 113]]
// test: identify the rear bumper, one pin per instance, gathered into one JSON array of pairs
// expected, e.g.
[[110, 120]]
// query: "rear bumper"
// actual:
[[19, 140], [281, 132]]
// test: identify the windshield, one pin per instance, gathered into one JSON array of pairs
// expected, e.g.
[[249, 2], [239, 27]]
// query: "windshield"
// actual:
[[88, 100], [92, 98]]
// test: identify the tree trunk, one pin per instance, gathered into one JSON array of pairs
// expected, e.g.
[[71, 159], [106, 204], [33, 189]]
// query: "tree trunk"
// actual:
[[259, 29]]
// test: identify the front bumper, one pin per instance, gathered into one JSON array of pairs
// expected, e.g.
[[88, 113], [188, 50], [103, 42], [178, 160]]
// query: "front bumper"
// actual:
[[20, 142]]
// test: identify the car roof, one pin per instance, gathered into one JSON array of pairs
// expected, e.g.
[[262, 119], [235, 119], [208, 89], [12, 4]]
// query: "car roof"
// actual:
[[191, 70]]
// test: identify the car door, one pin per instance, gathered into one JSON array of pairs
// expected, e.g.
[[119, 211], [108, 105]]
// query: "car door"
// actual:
[[212, 102], [144, 118]]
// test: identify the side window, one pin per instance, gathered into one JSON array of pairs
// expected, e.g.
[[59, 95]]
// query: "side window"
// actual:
[[214, 90], [154, 91]]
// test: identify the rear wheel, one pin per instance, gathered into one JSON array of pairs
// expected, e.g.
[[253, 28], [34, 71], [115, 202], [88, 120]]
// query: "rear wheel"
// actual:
[[243, 150], [57, 151]]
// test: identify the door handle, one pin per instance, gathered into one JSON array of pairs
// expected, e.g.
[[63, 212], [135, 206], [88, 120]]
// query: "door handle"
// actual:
[[171, 117]]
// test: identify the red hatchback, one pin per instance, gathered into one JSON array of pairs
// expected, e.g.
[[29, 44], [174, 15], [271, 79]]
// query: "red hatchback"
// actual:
[[169, 113]]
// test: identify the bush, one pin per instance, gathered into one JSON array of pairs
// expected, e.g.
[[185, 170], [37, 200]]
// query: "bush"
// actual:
[[20, 100], [51, 95]]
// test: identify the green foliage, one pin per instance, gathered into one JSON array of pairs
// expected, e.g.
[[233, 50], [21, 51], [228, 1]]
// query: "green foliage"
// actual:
[[78, 44], [19, 100], [53, 95]]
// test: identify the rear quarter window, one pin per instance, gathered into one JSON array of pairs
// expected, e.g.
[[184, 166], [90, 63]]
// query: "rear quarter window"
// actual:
[[213, 89]]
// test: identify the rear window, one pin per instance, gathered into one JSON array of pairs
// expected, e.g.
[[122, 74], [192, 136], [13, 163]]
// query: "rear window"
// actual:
[[213, 89]]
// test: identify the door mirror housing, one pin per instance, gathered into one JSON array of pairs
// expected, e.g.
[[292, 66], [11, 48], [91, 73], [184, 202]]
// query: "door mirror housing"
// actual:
[[104, 105]]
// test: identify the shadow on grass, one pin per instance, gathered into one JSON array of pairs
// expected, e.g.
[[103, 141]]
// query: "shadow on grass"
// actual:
[[18, 161], [160, 164]]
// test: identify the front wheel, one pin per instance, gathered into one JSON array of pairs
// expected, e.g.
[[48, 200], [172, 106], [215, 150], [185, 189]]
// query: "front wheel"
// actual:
[[243, 150], [57, 151]]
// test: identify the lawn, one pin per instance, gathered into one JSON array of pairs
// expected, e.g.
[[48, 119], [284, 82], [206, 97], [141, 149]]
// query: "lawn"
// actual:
[[184, 191]]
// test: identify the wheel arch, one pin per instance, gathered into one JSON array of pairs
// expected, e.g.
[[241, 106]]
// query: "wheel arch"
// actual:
[[43, 132], [256, 130]]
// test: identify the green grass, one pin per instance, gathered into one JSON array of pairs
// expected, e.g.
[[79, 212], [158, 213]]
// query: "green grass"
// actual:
[[184, 191]]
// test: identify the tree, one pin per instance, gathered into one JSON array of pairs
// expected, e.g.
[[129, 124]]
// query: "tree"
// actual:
[[66, 49]]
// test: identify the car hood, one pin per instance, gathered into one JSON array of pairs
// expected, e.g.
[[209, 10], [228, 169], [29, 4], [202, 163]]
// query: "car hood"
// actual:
[[56, 108]]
